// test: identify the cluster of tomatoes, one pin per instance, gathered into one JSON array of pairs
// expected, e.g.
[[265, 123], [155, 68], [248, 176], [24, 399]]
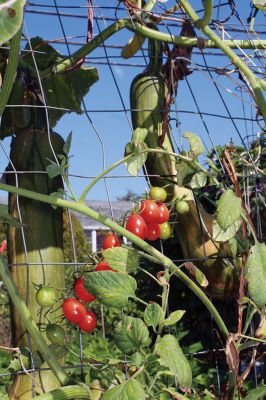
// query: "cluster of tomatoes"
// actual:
[[151, 220], [74, 308]]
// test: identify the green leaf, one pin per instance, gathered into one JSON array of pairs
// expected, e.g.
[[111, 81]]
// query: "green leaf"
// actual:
[[67, 145], [195, 143], [220, 235], [67, 90], [174, 317], [257, 394], [228, 209], [129, 390], [185, 172], [4, 214], [11, 17], [136, 162], [172, 357], [153, 315], [54, 170], [260, 4], [111, 289], [255, 274], [198, 180], [122, 259], [131, 334], [45, 55], [139, 136]]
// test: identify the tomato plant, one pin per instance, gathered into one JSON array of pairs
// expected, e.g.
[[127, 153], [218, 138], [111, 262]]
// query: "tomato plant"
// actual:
[[166, 231], [157, 194], [81, 291], [74, 310], [55, 333], [89, 322], [182, 206], [110, 241], [153, 232], [149, 211], [103, 266], [136, 224], [46, 296], [163, 213]]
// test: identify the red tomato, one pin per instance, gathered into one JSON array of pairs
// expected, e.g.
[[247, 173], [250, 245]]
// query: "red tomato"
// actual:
[[154, 231], [110, 241], [89, 322], [103, 266], [74, 310], [149, 211], [163, 213], [81, 292], [136, 224]]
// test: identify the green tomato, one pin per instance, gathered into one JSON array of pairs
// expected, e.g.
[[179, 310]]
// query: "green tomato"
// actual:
[[166, 231], [46, 296], [55, 333], [157, 194], [182, 206]]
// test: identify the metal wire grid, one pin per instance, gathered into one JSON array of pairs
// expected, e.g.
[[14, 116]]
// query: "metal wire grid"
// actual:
[[103, 15]]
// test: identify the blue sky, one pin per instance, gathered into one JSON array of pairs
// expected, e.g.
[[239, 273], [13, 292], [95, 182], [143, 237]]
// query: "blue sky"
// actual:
[[114, 128]]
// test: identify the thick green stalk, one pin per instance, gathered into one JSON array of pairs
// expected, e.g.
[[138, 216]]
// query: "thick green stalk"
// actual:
[[165, 261], [30, 324], [127, 23], [193, 42], [67, 393], [206, 19], [11, 69], [251, 77]]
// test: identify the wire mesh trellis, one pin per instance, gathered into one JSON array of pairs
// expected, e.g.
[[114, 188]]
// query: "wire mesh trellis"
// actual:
[[213, 93]]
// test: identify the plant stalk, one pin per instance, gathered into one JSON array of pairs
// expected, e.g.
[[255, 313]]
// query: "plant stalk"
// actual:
[[206, 19]]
